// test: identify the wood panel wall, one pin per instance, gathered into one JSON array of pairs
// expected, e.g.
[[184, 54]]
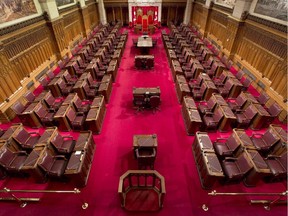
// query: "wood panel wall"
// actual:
[[258, 47], [30, 48]]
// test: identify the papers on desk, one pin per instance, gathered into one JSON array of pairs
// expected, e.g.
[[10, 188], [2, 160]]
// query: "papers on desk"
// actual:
[[78, 152]]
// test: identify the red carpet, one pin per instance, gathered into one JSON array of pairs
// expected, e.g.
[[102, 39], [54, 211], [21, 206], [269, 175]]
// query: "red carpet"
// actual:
[[114, 156]]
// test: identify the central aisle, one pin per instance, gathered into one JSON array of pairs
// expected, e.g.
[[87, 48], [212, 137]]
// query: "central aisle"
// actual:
[[174, 155]]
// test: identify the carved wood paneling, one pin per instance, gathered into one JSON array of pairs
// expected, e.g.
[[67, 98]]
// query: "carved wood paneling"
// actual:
[[267, 53]]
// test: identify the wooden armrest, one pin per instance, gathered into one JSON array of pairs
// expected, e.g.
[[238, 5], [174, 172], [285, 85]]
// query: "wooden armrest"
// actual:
[[60, 157], [230, 159], [221, 139]]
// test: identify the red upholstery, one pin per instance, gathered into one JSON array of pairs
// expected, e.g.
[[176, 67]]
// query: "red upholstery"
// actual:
[[29, 96], [198, 93], [145, 157], [18, 108], [208, 106], [154, 102], [80, 106], [274, 110]]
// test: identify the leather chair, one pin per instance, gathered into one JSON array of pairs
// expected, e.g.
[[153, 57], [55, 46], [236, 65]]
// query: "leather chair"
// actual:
[[198, 93], [149, 63], [76, 119], [278, 167], [139, 102], [93, 83], [26, 140], [245, 117], [44, 82], [90, 93], [29, 97], [225, 90], [263, 98], [154, 102], [238, 103], [195, 83], [1, 132], [139, 63], [63, 144], [80, 106], [64, 87], [51, 102], [239, 74], [211, 120], [229, 147], [246, 83], [145, 157], [265, 142], [69, 80], [12, 161], [207, 106], [236, 169], [50, 74], [274, 110], [53, 165], [46, 116]]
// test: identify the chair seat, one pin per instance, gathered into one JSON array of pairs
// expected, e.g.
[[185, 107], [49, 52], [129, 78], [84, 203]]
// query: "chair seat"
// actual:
[[260, 144], [210, 122], [276, 167], [17, 163], [231, 170], [58, 168], [222, 149], [31, 142]]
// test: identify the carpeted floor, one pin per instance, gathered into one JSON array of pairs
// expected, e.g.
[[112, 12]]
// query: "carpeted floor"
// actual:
[[114, 156]]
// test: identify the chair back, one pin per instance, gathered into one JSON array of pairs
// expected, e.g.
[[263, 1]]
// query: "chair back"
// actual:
[[47, 162], [233, 143], [57, 140], [239, 74], [243, 164], [274, 110], [247, 82], [18, 108], [218, 115], [263, 98], [22, 136], [270, 138], [29, 96], [6, 156]]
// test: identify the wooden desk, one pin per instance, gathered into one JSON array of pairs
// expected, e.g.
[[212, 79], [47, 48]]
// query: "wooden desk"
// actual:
[[70, 99], [260, 168], [202, 144], [182, 89], [94, 119], [197, 69], [228, 118], [207, 163], [280, 147], [243, 138], [54, 88], [29, 117], [112, 69], [261, 118], [218, 99], [236, 88], [117, 55], [145, 141], [91, 68], [210, 89], [192, 120], [144, 61], [79, 89], [30, 165], [105, 87], [144, 43], [61, 118], [147, 91]]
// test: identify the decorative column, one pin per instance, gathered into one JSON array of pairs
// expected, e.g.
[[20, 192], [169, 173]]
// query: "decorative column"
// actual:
[[234, 26], [83, 9], [55, 22], [188, 10], [102, 12]]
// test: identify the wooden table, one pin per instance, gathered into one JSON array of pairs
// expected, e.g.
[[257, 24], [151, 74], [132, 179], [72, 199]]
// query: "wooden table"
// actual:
[[144, 43], [145, 141]]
